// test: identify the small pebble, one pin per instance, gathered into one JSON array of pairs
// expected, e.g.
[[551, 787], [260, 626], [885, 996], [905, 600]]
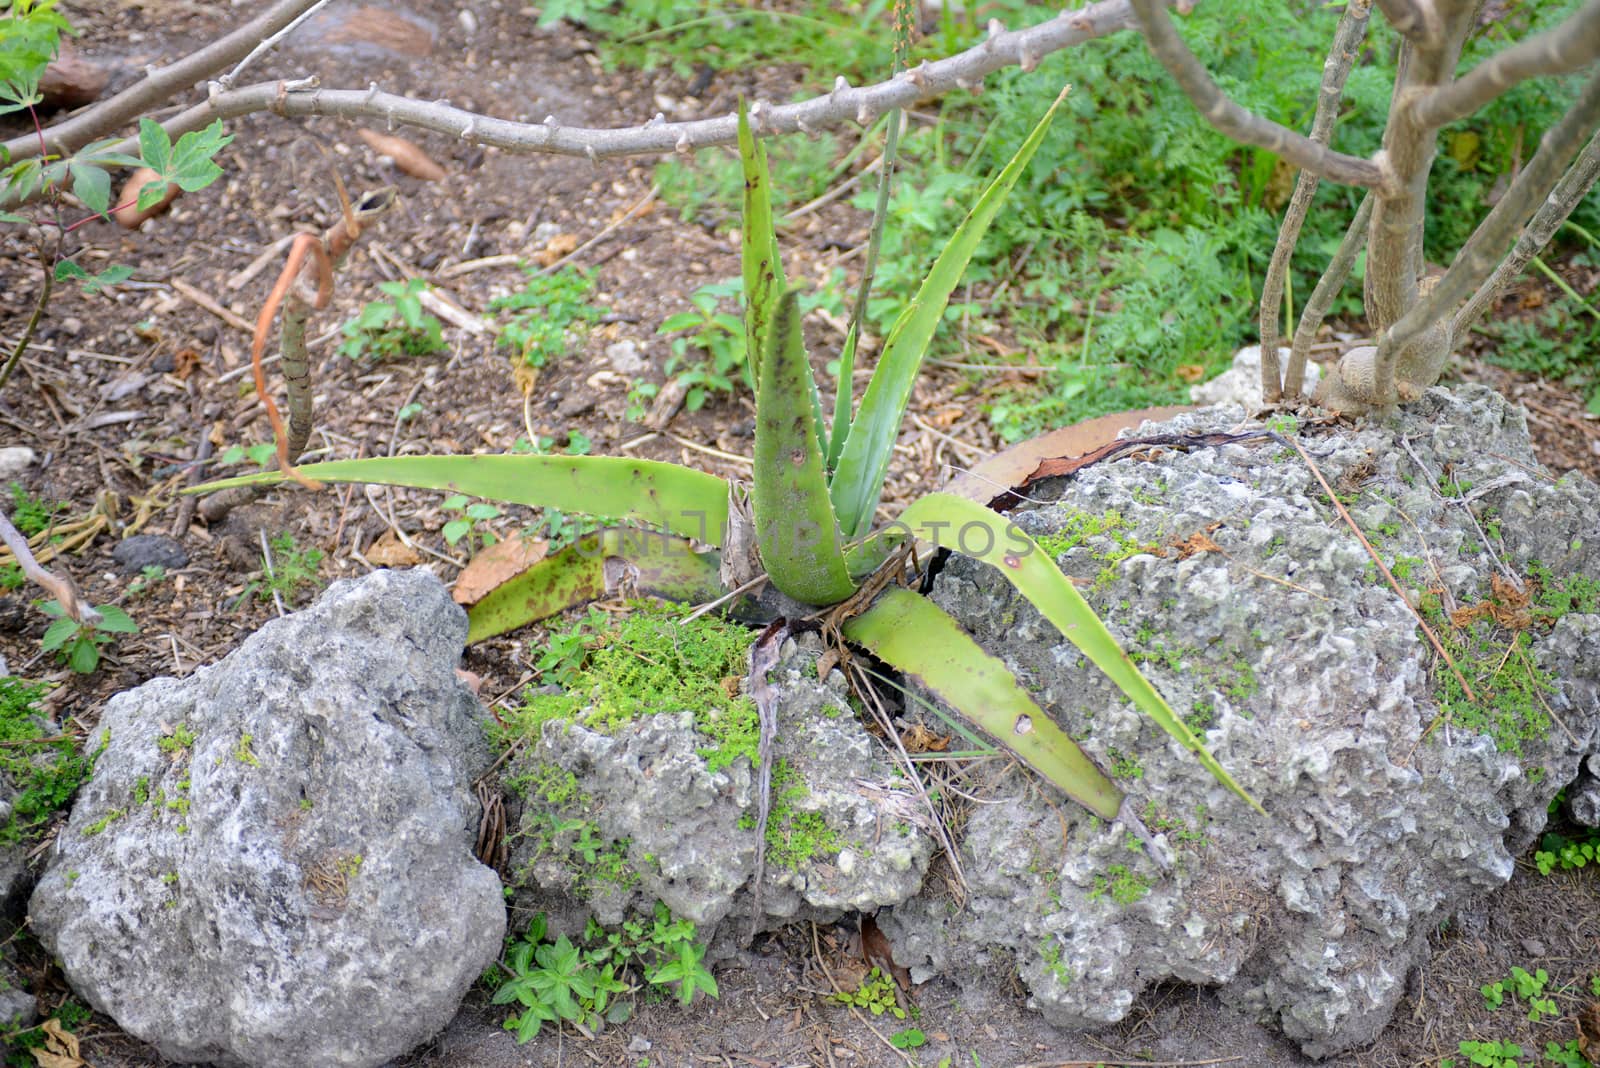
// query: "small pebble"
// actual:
[[14, 460], [135, 554]]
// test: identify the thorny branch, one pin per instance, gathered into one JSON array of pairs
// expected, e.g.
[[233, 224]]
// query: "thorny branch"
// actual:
[[1347, 39], [1237, 122]]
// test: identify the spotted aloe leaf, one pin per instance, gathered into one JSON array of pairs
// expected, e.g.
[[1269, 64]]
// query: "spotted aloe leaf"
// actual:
[[795, 528], [686, 502], [917, 637], [607, 561], [968, 527]]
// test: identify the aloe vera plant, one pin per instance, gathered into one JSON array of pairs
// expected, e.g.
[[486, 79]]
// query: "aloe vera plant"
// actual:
[[814, 493]]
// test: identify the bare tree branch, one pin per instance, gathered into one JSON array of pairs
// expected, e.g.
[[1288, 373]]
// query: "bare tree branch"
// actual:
[[1573, 44], [966, 70], [1328, 286], [159, 86], [1236, 122], [1417, 20], [1566, 196], [1485, 248], [1347, 38]]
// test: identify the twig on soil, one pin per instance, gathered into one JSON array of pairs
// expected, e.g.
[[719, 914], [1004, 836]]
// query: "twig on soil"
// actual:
[[1102, 1063], [266, 557], [816, 949], [638, 206], [206, 303], [1488, 545]]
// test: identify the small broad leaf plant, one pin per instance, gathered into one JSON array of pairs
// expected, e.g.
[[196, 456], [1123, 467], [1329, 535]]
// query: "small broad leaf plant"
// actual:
[[805, 525]]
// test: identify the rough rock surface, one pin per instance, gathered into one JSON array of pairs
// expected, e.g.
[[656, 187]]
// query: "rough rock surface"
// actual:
[[666, 827], [1241, 383], [273, 862], [1254, 610]]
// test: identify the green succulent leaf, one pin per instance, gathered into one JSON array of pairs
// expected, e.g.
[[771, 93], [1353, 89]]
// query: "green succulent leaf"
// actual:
[[969, 528], [864, 461], [795, 527], [659, 566], [687, 502], [919, 638]]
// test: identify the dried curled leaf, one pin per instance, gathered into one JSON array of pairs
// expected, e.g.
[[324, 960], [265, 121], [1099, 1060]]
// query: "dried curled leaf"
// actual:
[[406, 155], [128, 216]]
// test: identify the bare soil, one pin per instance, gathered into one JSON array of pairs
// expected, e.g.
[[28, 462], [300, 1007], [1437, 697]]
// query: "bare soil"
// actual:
[[118, 394]]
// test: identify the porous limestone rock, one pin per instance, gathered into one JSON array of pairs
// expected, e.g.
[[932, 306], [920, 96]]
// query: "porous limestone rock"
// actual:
[[1241, 383], [617, 820], [1251, 606], [272, 864]]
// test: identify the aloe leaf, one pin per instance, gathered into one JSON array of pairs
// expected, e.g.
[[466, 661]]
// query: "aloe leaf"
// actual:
[[858, 481], [917, 637], [973, 530], [680, 499], [758, 245], [761, 262], [795, 528], [641, 561]]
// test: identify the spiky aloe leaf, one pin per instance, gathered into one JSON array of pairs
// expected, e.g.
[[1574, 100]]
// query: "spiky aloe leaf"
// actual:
[[858, 480], [971, 529], [761, 262], [916, 636], [795, 529], [641, 561], [680, 499]]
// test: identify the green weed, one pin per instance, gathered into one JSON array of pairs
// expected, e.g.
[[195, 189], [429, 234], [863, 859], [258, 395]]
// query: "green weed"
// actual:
[[876, 993], [397, 327], [43, 767], [547, 315], [78, 644]]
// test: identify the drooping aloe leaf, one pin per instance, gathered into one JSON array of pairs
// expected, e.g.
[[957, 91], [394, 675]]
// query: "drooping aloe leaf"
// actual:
[[971, 529], [638, 561], [761, 262], [680, 499], [917, 637], [795, 529], [858, 480]]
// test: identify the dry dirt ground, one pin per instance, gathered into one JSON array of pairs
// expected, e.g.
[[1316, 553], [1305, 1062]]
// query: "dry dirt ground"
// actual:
[[117, 395]]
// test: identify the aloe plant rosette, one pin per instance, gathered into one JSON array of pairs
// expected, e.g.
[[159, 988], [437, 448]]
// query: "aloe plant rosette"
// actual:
[[814, 492]]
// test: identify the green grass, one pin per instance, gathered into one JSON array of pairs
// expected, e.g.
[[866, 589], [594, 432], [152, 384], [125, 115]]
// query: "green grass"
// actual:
[[43, 771], [1133, 253]]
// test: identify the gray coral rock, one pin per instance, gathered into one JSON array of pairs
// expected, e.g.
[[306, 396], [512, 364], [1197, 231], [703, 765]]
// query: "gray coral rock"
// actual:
[[620, 819], [273, 862], [1254, 610]]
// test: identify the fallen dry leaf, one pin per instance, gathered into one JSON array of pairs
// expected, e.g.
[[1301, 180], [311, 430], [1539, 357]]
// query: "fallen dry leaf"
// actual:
[[555, 248], [60, 1048], [1190, 372], [920, 739], [128, 216], [390, 551], [407, 155], [496, 566]]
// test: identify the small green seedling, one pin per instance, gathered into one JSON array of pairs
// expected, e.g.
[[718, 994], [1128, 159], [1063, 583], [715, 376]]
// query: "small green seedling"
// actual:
[[909, 1038], [1490, 1054], [260, 454], [469, 524], [877, 994], [384, 330], [150, 576], [78, 644], [546, 314]]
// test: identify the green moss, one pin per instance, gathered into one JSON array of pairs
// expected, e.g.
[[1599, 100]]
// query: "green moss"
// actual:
[[795, 837], [1124, 885], [43, 768], [558, 825], [103, 822], [180, 740], [243, 753], [1124, 766], [1050, 953], [614, 670]]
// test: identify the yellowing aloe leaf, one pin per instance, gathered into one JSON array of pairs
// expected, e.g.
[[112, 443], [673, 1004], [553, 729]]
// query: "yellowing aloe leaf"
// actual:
[[680, 499], [640, 561], [971, 529], [858, 481], [917, 637]]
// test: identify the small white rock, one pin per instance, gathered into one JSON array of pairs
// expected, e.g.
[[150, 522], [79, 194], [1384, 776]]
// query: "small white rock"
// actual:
[[1241, 384], [625, 358], [469, 21], [14, 460]]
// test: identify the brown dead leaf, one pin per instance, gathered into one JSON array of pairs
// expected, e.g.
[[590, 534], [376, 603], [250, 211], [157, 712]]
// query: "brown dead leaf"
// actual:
[[390, 551], [60, 1048], [555, 248], [1589, 1031], [1009, 469], [407, 155], [920, 739], [185, 362], [1190, 372], [496, 566], [827, 662], [947, 417], [470, 679], [1196, 543], [730, 686], [128, 216]]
